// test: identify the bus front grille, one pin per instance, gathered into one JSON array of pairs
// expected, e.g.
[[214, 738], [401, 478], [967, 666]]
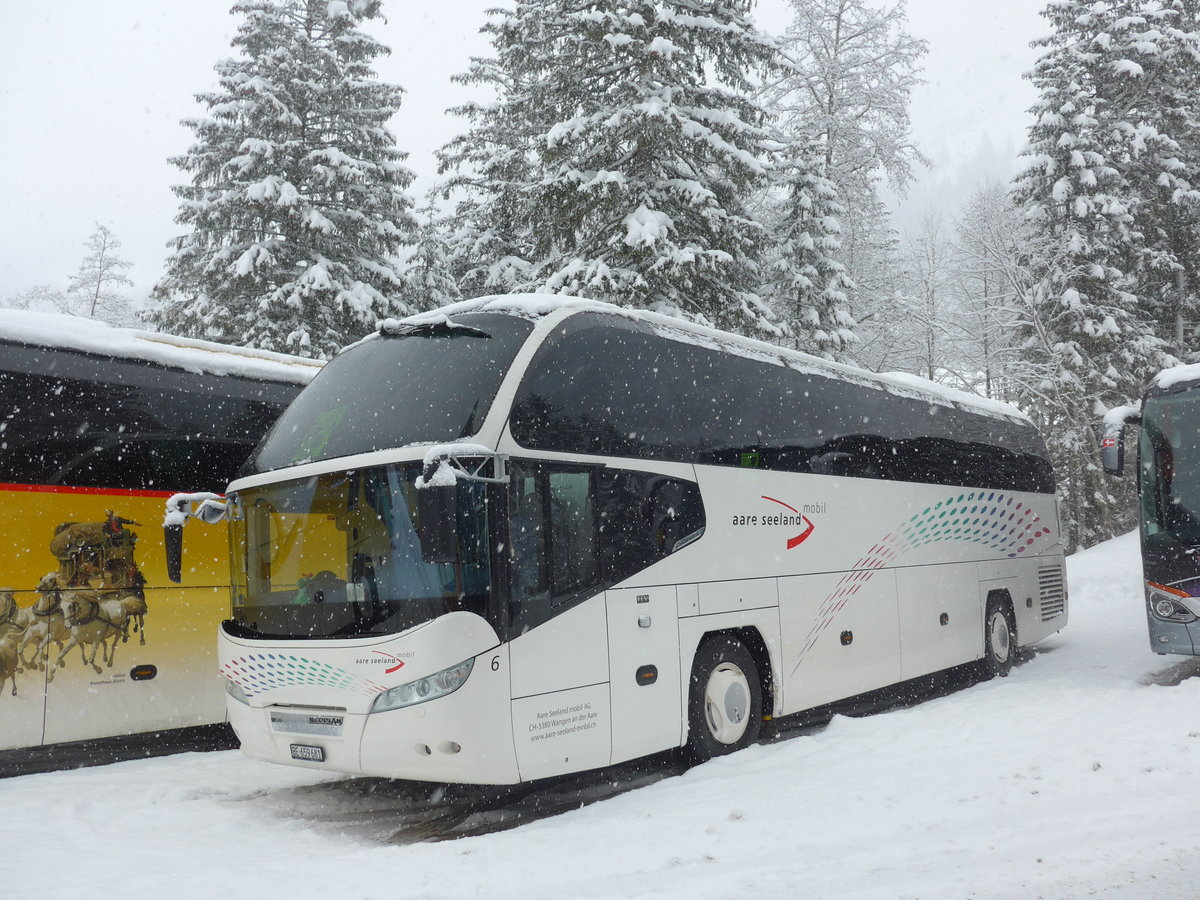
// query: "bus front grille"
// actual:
[[1050, 591]]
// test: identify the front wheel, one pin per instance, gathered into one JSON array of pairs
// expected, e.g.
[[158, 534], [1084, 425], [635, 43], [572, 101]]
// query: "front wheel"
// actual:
[[999, 638], [725, 699]]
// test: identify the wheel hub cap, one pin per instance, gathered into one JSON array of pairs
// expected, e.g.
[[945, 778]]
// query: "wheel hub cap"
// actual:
[[1000, 638], [727, 703]]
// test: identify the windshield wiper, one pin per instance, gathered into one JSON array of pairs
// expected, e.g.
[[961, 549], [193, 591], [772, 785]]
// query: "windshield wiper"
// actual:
[[443, 327]]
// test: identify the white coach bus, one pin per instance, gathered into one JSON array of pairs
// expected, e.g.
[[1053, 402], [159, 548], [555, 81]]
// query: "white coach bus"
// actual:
[[522, 536]]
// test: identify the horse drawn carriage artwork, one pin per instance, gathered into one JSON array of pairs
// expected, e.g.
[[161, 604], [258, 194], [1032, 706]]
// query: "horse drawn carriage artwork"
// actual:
[[92, 601]]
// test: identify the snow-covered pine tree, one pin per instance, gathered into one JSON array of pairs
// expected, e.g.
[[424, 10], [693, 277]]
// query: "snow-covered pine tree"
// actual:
[[100, 288], [1148, 74], [807, 285], [428, 281], [626, 147], [850, 68], [1086, 331], [491, 166], [297, 204]]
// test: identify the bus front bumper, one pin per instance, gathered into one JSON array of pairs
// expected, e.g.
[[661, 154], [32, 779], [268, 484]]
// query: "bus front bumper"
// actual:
[[465, 737], [1174, 637]]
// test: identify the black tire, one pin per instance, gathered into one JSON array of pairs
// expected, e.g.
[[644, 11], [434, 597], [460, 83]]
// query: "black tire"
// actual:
[[999, 638], [724, 699]]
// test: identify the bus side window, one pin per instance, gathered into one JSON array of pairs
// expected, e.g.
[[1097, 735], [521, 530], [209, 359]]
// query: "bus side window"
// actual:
[[572, 532], [527, 538]]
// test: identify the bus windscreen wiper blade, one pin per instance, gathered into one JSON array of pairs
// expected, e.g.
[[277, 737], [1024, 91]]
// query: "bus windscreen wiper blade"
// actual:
[[443, 327]]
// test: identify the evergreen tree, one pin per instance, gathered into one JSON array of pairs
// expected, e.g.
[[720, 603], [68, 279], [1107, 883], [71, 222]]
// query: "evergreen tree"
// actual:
[[1148, 74], [99, 289], [850, 71], [808, 286], [619, 157], [1087, 329], [428, 281], [297, 204], [491, 170]]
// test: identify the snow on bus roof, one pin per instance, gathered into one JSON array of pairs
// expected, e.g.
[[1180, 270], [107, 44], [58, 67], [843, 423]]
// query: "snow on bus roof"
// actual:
[[533, 306], [68, 332], [1168, 378]]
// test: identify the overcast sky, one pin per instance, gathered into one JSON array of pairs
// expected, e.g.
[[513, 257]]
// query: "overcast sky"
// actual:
[[91, 95]]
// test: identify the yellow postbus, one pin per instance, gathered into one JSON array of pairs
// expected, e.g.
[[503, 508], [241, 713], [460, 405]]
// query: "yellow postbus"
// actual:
[[98, 425]]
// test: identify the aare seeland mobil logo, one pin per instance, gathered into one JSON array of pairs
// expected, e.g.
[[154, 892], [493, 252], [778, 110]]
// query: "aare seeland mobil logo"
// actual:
[[793, 518], [393, 662]]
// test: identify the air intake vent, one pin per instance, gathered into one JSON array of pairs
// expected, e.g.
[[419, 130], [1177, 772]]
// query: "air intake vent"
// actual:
[[1050, 592]]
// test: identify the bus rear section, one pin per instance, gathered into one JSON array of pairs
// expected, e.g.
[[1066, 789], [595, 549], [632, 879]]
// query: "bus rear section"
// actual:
[[98, 426], [598, 535]]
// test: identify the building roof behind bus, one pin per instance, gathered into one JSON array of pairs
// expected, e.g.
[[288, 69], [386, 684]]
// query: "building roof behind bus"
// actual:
[[66, 332], [535, 306]]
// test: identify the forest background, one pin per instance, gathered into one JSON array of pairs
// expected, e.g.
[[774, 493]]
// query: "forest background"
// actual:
[[678, 155]]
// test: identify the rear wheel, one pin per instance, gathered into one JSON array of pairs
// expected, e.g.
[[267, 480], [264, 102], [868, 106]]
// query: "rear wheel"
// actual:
[[724, 701], [999, 638]]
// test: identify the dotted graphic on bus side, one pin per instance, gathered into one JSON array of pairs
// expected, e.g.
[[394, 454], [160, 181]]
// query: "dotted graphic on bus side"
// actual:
[[1002, 524], [261, 672]]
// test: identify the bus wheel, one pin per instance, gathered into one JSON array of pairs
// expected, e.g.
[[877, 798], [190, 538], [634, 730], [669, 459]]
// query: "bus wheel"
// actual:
[[725, 699], [999, 638]]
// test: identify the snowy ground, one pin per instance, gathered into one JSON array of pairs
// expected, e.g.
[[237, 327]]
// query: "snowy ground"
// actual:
[[1075, 777]]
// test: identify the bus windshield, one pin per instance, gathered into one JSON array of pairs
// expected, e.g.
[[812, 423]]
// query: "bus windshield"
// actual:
[[1170, 467], [338, 555], [415, 384]]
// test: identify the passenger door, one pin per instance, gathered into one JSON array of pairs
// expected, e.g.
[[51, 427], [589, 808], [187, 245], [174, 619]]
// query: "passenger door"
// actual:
[[559, 652]]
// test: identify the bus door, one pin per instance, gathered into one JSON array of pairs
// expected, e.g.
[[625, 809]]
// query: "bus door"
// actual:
[[558, 650]]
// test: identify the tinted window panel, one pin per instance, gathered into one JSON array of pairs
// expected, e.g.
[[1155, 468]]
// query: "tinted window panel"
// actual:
[[429, 385], [71, 419], [603, 385], [573, 531]]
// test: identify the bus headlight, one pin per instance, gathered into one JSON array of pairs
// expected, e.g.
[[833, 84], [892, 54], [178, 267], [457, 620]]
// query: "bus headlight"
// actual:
[[431, 687], [235, 691], [1167, 603]]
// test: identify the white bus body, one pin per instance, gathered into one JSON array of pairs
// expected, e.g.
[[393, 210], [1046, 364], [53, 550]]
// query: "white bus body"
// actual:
[[675, 596]]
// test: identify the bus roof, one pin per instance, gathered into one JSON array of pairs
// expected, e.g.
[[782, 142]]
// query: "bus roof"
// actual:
[[98, 338], [535, 306], [1176, 375]]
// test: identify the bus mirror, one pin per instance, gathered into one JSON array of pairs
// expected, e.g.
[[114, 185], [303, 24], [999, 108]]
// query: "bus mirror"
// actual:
[[1112, 450], [173, 539], [436, 509], [210, 512], [1112, 442], [210, 508]]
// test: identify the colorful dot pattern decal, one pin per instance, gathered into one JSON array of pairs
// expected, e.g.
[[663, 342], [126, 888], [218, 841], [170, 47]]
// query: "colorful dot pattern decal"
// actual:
[[1001, 523], [260, 672]]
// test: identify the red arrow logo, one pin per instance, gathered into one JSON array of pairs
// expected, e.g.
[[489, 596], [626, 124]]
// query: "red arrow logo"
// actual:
[[802, 536], [396, 668]]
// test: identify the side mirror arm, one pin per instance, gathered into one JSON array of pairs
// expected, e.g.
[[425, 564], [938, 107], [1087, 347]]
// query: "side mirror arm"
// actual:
[[208, 508]]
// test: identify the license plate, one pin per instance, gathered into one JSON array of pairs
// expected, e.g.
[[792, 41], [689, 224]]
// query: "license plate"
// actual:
[[323, 724], [308, 753]]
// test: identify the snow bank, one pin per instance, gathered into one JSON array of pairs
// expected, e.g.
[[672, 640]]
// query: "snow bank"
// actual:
[[1071, 778]]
